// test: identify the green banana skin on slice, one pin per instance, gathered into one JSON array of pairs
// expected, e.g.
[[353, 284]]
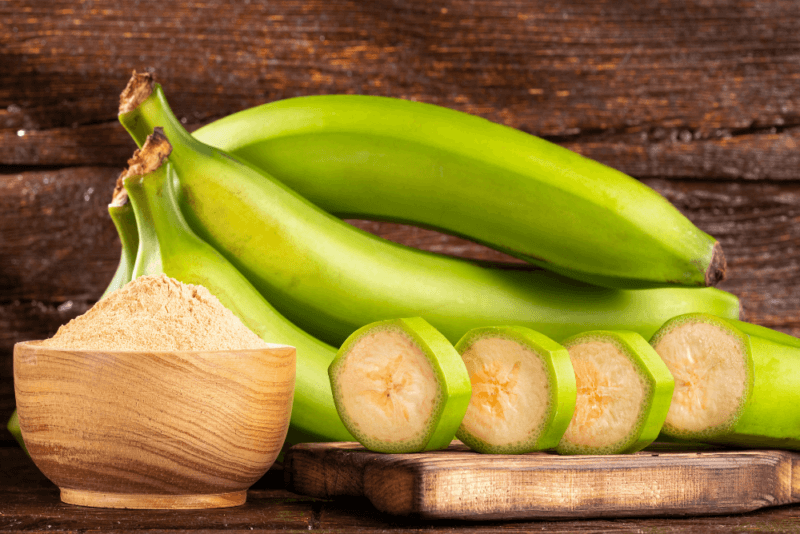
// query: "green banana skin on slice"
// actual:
[[390, 159], [658, 385], [448, 372], [124, 220], [561, 394], [330, 278], [167, 245], [767, 413]]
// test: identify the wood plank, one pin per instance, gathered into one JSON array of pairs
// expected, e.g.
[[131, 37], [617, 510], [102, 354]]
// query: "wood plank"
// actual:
[[554, 69], [460, 484], [33, 507], [353, 515], [58, 243]]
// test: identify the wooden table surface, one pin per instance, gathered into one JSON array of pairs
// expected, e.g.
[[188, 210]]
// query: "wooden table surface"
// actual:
[[699, 99], [30, 503]]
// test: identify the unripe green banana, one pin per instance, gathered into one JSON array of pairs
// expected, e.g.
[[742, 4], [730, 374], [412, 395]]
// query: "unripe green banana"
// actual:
[[13, 427], [122, 215], [389, 159], [330, 278], [167, 245], [735, 383]]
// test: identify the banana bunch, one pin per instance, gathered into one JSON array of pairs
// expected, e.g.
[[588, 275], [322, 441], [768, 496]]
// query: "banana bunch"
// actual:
[[255, 243], [330, 278], [298, 275]]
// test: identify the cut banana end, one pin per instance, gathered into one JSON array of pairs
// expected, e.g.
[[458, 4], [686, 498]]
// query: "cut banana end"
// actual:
[[623, 393], [400, 386], [710, 367], [523, 390], [735, 383]]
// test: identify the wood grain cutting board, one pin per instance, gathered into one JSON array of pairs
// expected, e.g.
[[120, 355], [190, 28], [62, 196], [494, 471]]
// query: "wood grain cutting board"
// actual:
[[460, 484]]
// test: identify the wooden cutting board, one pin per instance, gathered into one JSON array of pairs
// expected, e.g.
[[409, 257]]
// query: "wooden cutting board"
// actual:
[[460, 484]]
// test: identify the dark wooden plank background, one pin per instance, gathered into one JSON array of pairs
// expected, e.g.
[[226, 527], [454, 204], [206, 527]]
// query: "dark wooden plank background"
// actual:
[[699, 99]]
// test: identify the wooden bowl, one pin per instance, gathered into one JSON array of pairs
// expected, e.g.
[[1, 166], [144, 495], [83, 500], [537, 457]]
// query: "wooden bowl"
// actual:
[[153, 430]]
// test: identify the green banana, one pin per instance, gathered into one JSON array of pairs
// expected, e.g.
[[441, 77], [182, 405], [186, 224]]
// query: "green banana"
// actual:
[[124, 220], [389, 159], [167, 245], [735, 383], [13, 427], [330, 278]]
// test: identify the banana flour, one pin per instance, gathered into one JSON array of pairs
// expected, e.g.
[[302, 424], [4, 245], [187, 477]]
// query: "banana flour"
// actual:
[[156, 313]]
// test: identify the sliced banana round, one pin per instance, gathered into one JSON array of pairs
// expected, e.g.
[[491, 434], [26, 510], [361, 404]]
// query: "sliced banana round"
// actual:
[[623, 393], [523, 390], [400, 386]]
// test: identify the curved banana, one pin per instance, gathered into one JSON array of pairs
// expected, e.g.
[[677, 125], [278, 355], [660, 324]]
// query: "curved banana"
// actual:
[[124, 220], [330, 278], [389, 159], [167, 245]]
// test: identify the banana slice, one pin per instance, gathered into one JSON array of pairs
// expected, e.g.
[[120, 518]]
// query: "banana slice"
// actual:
[[400, 386], [735, 383], [623, 393], [523, 390]]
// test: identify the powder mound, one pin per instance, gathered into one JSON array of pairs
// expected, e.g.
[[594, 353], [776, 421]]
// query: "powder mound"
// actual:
[[156, 313]]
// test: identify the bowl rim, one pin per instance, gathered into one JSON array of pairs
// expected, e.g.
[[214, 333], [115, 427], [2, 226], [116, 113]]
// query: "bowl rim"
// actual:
[[36, 344]]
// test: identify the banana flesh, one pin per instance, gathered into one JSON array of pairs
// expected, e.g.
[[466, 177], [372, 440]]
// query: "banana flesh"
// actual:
[[330, 278], [390, 159], [610, 396], [523, 390], [710, 377], [386, 384]]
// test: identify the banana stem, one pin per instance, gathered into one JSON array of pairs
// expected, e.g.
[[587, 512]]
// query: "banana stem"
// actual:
[[144, 107], [124, 220], [330, 278]]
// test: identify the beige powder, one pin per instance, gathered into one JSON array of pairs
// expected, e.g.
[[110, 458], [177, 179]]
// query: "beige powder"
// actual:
[[156, 313]]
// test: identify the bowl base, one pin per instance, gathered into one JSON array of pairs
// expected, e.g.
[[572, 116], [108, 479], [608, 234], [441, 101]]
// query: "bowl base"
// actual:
[[99, 499]]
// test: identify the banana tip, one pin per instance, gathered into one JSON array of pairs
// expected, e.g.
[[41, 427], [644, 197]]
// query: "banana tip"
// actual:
[[718, 267], [139, 87]]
